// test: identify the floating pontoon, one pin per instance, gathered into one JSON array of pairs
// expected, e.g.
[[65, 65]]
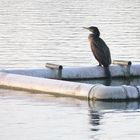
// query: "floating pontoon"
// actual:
[[46, 80]]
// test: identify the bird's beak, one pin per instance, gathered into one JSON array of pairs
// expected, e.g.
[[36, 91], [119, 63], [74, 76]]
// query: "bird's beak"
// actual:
[[86, 28]]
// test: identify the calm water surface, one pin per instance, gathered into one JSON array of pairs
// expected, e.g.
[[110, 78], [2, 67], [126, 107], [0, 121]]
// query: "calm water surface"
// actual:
[[39, 116], [33, 32]]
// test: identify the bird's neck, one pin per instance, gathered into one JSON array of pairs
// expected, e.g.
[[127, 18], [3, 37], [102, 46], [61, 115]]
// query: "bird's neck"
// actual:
[[93, 36]]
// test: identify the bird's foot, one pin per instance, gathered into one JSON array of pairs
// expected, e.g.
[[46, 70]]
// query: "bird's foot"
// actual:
[[99, 65]]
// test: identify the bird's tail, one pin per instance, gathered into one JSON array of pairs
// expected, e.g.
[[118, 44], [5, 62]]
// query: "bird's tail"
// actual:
[[107, 72]]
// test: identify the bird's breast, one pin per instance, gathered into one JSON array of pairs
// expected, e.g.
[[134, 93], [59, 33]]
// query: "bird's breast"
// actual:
[[90, 39]]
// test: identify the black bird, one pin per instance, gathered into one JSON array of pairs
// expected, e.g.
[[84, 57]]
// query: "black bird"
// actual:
[[99, 49]]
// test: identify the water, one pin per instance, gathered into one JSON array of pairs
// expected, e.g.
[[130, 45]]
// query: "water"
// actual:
[[33, 32], [40, 116]]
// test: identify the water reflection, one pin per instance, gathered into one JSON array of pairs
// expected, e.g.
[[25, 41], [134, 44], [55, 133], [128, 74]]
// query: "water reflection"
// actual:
[[98, 109], [103, 106], [94, 119], [42, 113]]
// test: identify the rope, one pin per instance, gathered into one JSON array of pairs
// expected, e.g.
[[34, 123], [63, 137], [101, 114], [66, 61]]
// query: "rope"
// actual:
[[123, 86], [137, 91], [91, 94]]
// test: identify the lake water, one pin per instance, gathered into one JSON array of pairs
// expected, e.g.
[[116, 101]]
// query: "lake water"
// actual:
[[33, 32]]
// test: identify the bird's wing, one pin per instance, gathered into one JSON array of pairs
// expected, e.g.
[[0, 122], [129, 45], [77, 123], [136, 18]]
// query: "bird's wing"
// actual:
[[101, 52]]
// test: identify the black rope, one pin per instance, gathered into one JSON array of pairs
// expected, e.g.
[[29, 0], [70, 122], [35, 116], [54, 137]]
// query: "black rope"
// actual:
[[137, 91], [125, 91], [89, 94]]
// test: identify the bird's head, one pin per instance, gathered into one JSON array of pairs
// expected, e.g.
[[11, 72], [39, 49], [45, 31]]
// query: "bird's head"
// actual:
[[94, 30]]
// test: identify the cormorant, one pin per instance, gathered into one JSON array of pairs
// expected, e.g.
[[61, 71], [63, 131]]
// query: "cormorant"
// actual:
[[99, 49]]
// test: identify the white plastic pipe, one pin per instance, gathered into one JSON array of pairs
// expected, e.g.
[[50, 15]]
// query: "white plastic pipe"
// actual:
[[79, 72], [45, 85], [75, 89], [101, 92]]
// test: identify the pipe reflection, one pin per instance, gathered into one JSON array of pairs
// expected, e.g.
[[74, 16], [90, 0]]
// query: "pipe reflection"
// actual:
[[97, 110], [94, 119]]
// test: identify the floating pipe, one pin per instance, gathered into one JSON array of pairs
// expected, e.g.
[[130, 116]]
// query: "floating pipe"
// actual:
[[58, 68], [52, 86], [75, 89], [54, 66], [101, 92], [122, 62], [70, 73]]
